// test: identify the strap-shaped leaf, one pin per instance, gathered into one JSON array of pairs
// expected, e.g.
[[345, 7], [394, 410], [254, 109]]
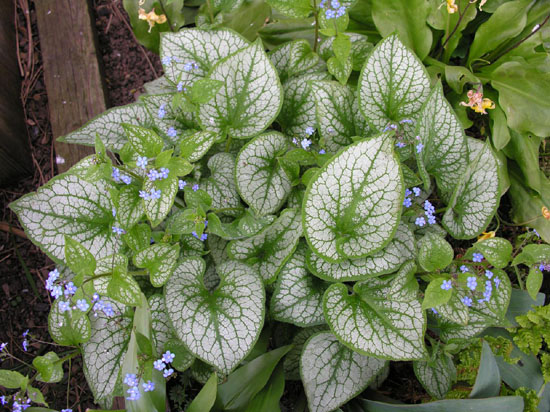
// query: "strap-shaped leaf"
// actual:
[[104, 353], [293, 58], [250, 99], [68, 328], [129, 209], [437, 376], [476, 196], [160, 260], [337, 115], [219, 326], [353, 204], [378, 320], [221, 184], [298, 110], [269, 250], [160, 324], [171, 116], [291, 362], [68, 205], [261, 181], [157, 209], [298, 296], [400, 249], [333, 374], [393, 84], [108, 126], [445, 154], [205, 48]]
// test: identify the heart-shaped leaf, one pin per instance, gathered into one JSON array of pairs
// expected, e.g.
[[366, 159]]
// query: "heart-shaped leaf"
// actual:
[[165, 114], [49, 368], [298, 296], [378, 319], [400, 249], [261, 181], [195, 146], [476, 195], [250, 99], [160, 260], [160, 324], [68, 328], [68, 205], [434, 252], [333, 374], [269, 250], [437, 376], [129, 209], [292, 359], [345, 200], [157, 209], [293, 58], [496, 250], [218, 326]]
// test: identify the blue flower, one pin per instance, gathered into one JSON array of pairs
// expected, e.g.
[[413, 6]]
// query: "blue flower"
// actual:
[[471, 282], [335, 4], [305, 143], [416, 191], [341, 11], [25, 345], [115, 174], [70, 289], [126, 179], [419, 147], [95, 297], [182, 184], [153, 175], [204, 236], [159, 365], [536, 233], [189, 66], [179, 86], [477, 257], [330, 14], [149, 386], [497, 281], [406, 121], [155, 194], [144, 195], [408, 192], [162, 111], [118, 230], [108, 310], [391, 126], [400, 144], [66, 410], [434, 311], [428, 207], [3, 346], [446, 285], [52, 277], [489, 274], [168, 357], [167, 372], [82, 304], [464, 269], [167, 60], [195, 187], [24, 334], [310, 130], [431, 219], [542, 267], [322, 4], [142, 162], [171, 132], [57, 291], [420, 221], [163, 173], [407, 202], [113, 211], [134, 393], [64, 306], [131, 379], [3, 400], [322, 151], [467, 301]]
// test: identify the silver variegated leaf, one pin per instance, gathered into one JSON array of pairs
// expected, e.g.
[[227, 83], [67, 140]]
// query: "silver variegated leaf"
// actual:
[[400, 249], [293, 58], [108, 126], [445, 154], [170, 116], [68, 205], [269, 250], [261, 181], [68, 328], [160, 260], [476, 195], [103, 354], [298, 110], [219, 326], [250, 99], [196, 145], [205, 48], [291, 361], [221, 184], [160, 324], [157, 209], [333, 374], [378, 319], [438, 376], [160, 85], [353, 204], [129, 210], [337, 115], [298, 296], [393, 85], [105, 266]]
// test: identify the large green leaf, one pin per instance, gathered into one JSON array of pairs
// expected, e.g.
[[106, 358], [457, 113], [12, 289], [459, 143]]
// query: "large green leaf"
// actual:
[[497, 251], [333, 374], [108, 125], [205, 399], [381, 318], [218, 326], [292, 359], [129, 207], [293, 58], [408, 18], [68, 328], [487, 384], [400, 249], [523, 95], [173, 117], [261, 181], [250, 99], [436, 376], [338, 116], [298, 110], [434, 252], [476, 195], [220, 185], [205, 48], [195, 146], [345, 201], [68, 205], [269, 250], [160, 324], [269, 398], [445, 154], [160, 260], [298, 296], [393, 85], [103, 354]]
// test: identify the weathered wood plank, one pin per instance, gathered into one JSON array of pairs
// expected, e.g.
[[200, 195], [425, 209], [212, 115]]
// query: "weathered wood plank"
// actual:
[[71, 71], [15, 157]]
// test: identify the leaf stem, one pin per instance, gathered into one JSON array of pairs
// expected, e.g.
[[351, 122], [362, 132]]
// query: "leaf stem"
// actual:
[[210, 12], [316, 17], [166, 14], [520, 280], [460, 17], [228, 143]]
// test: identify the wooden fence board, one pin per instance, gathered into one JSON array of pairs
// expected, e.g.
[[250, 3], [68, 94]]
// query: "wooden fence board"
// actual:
[[71, 71]]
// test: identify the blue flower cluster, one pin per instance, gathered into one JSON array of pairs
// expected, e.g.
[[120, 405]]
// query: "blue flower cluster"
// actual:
[[120, 178], [160, 174], [334, 10], [153, 194], [101, 306], [162, 111]]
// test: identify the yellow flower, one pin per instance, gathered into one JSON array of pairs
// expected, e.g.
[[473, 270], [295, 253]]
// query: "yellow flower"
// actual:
[[545, 213], [486, 235], [451, 6], [152, 18], [477, 103]]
